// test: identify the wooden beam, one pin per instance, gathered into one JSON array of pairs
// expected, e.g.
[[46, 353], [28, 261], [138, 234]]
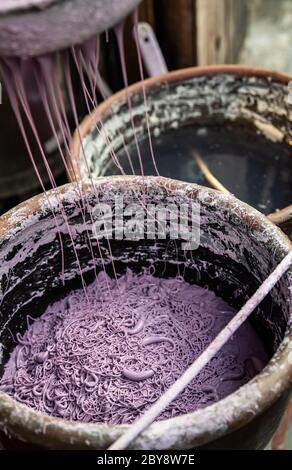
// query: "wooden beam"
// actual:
[[176, 30], [221, 26]]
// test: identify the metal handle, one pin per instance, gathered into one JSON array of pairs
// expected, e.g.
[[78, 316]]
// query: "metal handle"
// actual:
[[151, 53]]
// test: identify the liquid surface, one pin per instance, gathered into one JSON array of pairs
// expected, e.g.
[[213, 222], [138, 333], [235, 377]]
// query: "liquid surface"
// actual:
[[255, 170], [109, 358]]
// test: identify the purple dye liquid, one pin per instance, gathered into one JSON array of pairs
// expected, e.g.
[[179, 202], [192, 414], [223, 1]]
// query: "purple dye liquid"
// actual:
[[107, 358]]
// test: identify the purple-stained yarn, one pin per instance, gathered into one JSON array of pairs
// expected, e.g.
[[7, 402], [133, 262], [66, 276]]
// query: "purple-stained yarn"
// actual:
[[107, 358]]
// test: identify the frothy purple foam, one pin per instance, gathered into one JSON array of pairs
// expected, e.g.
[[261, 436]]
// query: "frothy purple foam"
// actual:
[[108, 358]]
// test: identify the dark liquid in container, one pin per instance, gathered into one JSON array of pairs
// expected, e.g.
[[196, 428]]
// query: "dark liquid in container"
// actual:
[[254, 169]]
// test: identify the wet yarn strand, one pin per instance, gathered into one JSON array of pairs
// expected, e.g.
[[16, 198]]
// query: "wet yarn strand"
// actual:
[[200, 362], [106, 360]]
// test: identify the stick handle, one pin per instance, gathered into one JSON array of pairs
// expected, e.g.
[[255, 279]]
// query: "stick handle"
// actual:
[[214, 347]]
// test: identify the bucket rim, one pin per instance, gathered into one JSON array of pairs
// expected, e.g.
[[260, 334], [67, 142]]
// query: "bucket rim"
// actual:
[[280, 216], [184, 431]]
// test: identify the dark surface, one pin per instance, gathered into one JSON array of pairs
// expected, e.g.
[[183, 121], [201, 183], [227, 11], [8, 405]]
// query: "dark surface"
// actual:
[[255, 170]]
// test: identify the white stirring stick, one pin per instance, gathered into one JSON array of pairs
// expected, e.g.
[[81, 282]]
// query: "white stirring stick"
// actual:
[[193, 370]]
